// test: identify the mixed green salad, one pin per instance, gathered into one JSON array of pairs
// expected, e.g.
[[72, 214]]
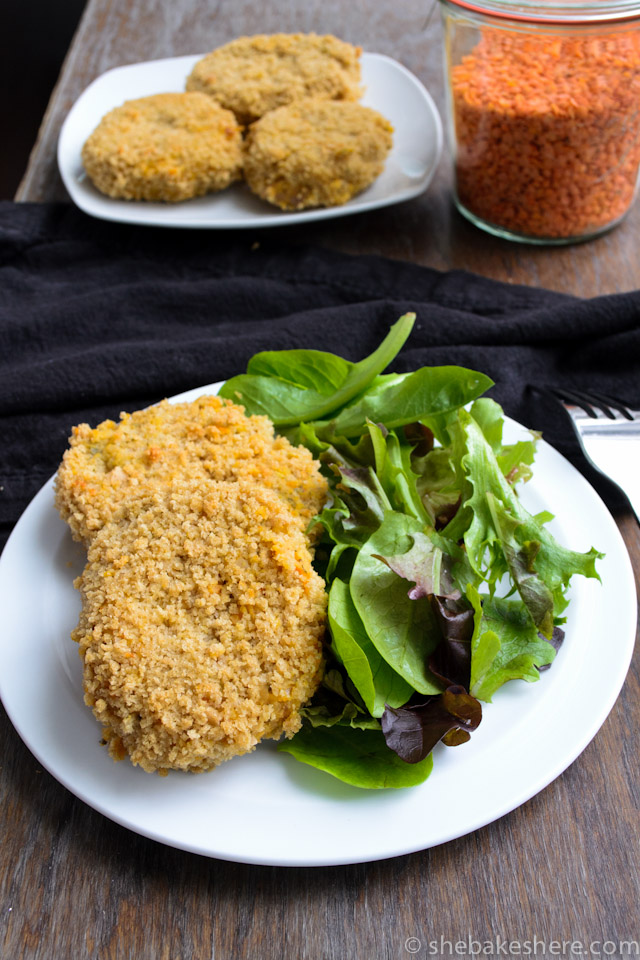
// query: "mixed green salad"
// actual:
[[442, 587]]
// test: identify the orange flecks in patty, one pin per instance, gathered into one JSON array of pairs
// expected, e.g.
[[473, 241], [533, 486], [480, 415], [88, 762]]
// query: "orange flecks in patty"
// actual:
[[209, 438], [201, 625]]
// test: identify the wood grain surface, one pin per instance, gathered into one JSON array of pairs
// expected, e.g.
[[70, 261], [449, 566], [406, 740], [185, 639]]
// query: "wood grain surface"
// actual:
[[563, 867]]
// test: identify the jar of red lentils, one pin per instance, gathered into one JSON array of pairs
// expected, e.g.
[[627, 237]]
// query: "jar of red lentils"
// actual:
[[544, 115]]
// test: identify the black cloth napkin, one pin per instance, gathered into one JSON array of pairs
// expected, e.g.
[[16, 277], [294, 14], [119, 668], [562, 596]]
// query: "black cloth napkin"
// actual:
[[96, 318]]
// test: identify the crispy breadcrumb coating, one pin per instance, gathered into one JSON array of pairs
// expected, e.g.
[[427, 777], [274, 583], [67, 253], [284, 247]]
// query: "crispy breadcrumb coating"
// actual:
[[251, 75], [167, 147], [210, 438], [316, 153], [201, 624]]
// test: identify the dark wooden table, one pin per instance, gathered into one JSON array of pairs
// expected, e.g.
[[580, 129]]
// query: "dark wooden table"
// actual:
[[563, 867]]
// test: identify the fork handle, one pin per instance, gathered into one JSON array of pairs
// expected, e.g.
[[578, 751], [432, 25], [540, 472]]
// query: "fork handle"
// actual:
[[632, 492], [627, 480]]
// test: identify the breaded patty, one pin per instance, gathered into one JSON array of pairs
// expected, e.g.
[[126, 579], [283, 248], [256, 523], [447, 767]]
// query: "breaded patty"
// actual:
[[201, 625], [210, 438], [168, 147], [252, 75], [316, 153]]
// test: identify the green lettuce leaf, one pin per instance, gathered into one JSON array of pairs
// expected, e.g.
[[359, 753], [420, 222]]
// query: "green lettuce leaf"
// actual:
[[501, 537], [505, 645], [349, 716], [393, 467]]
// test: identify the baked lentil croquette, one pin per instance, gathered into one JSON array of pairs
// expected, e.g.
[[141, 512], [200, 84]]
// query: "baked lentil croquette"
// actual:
[[167, 147], [316, 153], [209, 438], [252, 75], [201, 625]]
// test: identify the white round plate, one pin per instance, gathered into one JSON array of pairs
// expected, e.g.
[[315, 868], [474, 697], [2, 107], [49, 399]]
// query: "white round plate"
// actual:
[[389, 88], [266, 808]]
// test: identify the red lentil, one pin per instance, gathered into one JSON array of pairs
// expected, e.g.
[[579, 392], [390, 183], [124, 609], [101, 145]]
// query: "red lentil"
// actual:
[[548, 131]]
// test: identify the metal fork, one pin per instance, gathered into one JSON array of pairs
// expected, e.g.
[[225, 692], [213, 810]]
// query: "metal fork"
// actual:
[[609, 434]]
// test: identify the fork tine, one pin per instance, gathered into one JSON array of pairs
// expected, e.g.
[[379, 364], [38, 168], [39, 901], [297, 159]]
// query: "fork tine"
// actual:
[[584, 399], [606, 401], [612, 447], [570, 396], [590, 401]]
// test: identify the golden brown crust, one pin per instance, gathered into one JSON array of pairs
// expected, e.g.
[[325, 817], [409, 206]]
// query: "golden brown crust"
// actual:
[[167, 147], [316, 153], [201, 625], [209, 438], [251, 75]]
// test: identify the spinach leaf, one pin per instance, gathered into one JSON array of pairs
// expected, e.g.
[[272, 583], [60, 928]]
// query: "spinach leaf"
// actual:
[[401, 629], [295, 394], [285, 403], [313, 370], [418, 396], [376, 682], [358, 757]]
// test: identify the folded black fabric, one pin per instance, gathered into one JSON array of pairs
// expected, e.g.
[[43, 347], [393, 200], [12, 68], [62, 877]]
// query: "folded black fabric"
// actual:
[[96, 318]]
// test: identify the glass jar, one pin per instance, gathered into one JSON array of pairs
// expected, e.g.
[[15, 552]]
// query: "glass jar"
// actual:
[[544, 115]]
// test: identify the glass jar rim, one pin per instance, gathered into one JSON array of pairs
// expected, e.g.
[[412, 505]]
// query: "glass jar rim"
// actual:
[[555, 11]]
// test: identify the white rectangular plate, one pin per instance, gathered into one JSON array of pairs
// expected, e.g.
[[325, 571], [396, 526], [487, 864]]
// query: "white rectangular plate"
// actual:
[[389, 88]]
